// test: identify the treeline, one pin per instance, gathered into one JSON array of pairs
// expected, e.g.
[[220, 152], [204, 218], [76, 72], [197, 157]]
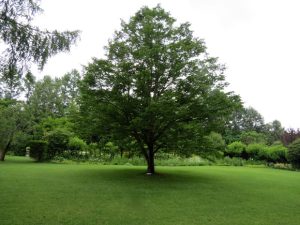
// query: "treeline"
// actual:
[[54, 123]]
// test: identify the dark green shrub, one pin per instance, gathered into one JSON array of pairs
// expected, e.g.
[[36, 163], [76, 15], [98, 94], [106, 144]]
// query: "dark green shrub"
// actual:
[[19, 143], [235, 149], [38, 150], [214, 144], [57, 142], [293, 154]]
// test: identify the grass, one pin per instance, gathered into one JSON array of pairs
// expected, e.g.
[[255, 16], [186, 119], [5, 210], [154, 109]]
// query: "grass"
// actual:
[[37, 194]]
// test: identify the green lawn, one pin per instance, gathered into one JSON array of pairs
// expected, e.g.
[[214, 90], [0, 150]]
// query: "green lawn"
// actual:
[[36, 194]]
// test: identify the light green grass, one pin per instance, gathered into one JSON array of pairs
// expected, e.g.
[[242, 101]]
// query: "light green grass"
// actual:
[[37, 194]]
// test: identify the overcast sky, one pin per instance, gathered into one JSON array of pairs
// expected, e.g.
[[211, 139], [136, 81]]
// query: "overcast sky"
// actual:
[[257, 40]]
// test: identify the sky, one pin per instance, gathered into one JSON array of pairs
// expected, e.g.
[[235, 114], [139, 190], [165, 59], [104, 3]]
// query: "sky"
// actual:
[[257, 40]]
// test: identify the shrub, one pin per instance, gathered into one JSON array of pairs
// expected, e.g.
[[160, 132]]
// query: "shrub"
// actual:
[[235, 149], [254, 149], [57, 142], [277, 153], [38, 150], [293, 154], [77, 144], [214, 144], [274, 154]]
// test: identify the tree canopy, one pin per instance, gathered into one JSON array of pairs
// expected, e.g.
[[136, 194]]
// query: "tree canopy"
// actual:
[[157, 85]]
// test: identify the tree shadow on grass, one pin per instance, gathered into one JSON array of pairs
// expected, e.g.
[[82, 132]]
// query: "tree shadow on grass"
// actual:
[[165, 177]]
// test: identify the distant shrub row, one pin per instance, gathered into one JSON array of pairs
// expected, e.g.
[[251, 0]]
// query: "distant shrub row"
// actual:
[[276, 153], [58, 142]]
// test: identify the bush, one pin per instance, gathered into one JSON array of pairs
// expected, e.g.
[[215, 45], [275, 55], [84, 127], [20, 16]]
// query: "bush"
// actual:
[[254, 149], [274, 154], [77, 144], [293, 154], [38, 150], [278, 153], [57, 142], [235, 149], [214, 144]]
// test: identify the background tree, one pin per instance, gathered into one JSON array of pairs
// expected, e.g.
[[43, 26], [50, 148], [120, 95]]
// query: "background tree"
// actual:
[[156, 82], [294, 153], [54, 97], [274, 131], [243, 120], [290, 135]]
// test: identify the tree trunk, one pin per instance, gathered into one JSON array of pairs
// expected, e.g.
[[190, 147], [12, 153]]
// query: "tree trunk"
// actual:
[[2, 155], [3, 151], [150, 161]]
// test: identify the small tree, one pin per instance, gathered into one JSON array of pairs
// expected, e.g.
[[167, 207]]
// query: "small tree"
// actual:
[[293, 153]]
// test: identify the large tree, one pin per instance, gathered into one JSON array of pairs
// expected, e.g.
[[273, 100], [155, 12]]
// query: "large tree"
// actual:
[[24, 43], [157, 85]]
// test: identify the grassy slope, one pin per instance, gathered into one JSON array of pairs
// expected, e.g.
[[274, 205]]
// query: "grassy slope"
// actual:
[[33, 193]]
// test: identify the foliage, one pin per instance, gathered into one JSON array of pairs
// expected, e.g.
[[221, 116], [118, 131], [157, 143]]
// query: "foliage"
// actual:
[[278, 153], [156, 81], [243, 120], [289, 136], [12, 119], [274, 153], [19, 143], [54, 97], [38, 150], [58, 140], [235, 149], [214, 144], [273, 131], [111, 149], [76, 144], [247, 119], [293, 154], [254, 149], [25, 43], [251, 137]]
